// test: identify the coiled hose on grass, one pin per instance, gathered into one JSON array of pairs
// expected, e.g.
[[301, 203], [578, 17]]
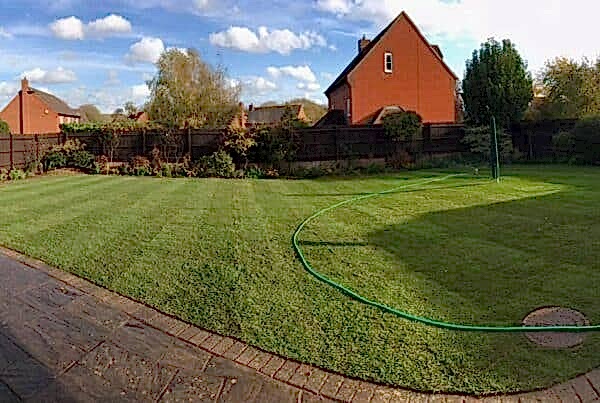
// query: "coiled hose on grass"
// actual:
[[405, 315]]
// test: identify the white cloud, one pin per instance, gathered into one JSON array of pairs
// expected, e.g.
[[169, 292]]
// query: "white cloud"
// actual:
[[113, 79], [309, 86], [282, 41], [5, 34], [109, 25], [335, 6], [542, 29], [57, 76], [255, 86], [8, 89], [70, 28], [140, 93], [147, 50], [303, 73]]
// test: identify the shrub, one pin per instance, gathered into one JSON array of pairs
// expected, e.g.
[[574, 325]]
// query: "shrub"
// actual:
[[275, 145], [16, 174], [54, 159], [140, 166], [478, 139], [3, 175], [586, 135], [101, 165], [400, 160], [81, 159], [4, 128], [402, 126], [255, 172], [219, 164], [238, 142], [563, 145]]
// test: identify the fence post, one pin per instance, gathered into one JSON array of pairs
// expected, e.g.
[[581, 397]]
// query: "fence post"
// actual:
[[189, 141], [337, 143], [12, 158], [143, 142]]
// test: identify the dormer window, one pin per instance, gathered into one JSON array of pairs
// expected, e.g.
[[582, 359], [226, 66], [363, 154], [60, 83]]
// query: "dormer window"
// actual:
[[388, 62]]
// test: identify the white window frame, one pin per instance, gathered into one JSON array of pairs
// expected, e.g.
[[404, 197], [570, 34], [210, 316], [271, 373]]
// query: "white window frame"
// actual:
[[385, 62]]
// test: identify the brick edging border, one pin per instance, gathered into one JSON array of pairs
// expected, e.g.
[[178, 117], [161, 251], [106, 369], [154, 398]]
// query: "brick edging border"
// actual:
[[316, 381]]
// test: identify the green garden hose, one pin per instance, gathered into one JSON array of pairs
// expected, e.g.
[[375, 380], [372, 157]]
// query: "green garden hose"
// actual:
[[406, 315]]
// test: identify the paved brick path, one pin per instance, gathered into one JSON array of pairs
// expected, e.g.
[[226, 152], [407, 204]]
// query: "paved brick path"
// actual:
[[65, 339]]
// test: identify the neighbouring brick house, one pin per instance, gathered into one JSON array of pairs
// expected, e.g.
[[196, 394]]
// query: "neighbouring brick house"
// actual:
[[33, 111], [398, 70], [271, 115]]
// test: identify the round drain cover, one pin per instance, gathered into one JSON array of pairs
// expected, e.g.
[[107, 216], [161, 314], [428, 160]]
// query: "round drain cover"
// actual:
[[555, 316]]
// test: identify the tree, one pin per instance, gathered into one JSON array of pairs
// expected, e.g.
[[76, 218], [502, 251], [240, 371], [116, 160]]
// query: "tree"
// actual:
[[570, 89], [130, 108], [187, 92], [497, 84], [90, 113], [4, 127]]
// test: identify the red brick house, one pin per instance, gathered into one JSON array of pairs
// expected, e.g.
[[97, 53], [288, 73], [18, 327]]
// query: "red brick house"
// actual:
[[398, 70], [33, 111]]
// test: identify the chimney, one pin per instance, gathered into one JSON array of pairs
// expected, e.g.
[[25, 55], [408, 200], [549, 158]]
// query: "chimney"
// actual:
[[363, 43], [25, 84], [250, 108]]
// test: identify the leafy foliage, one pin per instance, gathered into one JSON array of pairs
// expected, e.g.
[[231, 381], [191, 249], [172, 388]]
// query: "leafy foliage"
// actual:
[[4, 128], [219, 164], [478, 139], [188, 92], [587, 139], [238, 142], [571, 89], [402, 126], [70, 154], [279, 143], [496, 84]]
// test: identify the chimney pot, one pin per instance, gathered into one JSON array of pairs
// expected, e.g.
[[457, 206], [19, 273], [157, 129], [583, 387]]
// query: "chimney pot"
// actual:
[[24, 84], [363, 43]]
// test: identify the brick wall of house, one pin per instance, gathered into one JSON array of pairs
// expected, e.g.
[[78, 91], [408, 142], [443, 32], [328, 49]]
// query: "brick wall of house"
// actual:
[[11, 114], [337, 99], [419, 82], [37, 116]]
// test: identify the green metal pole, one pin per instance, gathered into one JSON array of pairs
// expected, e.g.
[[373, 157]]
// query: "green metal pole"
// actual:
[[497, 162]]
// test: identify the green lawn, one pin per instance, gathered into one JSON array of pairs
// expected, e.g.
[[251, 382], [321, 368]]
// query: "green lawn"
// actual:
[[218, 253]]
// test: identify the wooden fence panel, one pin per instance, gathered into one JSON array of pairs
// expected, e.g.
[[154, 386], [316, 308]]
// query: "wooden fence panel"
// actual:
[[314, 144]]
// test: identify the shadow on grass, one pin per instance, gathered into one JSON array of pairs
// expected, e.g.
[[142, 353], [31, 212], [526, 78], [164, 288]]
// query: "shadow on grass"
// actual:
[[502, 259]]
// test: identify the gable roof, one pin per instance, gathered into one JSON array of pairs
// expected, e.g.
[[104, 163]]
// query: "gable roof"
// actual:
[[354, 63], [56, 104], [333, 117], [271, 114]]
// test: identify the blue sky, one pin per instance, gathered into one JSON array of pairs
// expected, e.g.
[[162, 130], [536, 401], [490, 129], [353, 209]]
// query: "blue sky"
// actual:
[[102, 52]]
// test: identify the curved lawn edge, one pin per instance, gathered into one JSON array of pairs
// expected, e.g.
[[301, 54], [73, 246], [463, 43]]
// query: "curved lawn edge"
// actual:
[[307, 378], [403, 314]]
